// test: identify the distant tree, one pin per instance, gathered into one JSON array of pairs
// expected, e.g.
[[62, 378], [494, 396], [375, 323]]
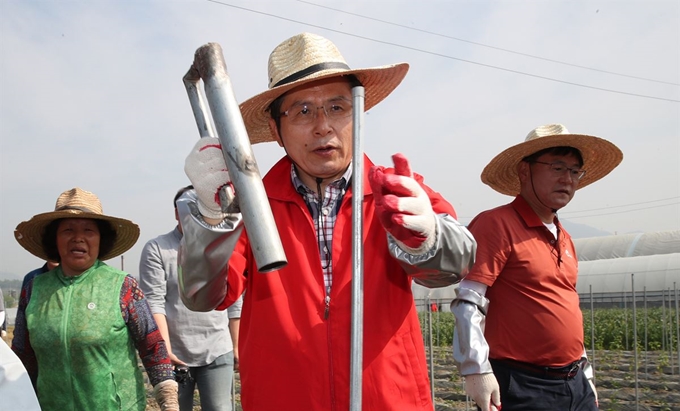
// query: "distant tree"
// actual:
[[10, 291], [10, 300]]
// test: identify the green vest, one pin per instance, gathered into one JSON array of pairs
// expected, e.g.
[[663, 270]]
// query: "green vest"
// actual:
[[86, 357]]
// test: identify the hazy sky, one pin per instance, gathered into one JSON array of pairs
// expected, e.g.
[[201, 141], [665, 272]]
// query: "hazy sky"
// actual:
[[91, 96]]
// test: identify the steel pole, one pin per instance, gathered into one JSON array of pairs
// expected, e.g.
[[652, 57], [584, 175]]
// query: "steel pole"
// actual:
[[635, 345], [356, 364], [210, 67]]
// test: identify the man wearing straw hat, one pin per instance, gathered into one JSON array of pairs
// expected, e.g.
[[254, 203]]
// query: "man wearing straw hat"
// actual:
[[295, 326], [517, 312]]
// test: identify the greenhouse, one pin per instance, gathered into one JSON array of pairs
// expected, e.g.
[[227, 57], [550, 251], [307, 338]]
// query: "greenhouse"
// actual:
[[609, 267], [612, 267]]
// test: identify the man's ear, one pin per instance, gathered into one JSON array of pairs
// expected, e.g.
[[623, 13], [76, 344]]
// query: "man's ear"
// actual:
[[523, 170], [275, 132]]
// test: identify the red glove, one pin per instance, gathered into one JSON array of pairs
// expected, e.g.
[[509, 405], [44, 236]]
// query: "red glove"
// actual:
[[403, 207]]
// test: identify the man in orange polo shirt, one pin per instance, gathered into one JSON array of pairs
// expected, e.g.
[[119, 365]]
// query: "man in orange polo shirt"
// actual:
[[519, 330]]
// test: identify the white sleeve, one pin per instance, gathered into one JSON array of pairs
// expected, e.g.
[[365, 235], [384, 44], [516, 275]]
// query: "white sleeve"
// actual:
[[479, 288]]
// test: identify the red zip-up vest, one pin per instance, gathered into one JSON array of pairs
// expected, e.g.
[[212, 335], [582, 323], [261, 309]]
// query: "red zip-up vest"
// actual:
[[292, 357]]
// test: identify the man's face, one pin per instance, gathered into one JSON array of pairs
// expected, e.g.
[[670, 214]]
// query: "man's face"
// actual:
[[323, 147], [552, 179]]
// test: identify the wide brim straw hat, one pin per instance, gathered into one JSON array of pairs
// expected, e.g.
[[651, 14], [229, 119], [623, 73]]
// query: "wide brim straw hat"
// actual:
[[75, 203], [600, 157], [309, 57]]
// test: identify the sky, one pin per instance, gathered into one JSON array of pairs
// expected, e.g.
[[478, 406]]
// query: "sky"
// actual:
[[91, 96]]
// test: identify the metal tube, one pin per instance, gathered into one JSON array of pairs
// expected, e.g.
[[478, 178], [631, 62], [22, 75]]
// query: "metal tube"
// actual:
[[646, 330], [428, 309], [259, 222], [592, 330], [625, 314], [635, 344], [677, 322], [356, 364], [191, 79], [663, 320]]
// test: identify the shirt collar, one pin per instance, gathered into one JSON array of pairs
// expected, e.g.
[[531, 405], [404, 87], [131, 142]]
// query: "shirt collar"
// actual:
[[302, 188], [531, 219]]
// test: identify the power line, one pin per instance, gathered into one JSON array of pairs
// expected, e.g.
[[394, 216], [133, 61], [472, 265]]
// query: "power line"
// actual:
[[622, 212], [488, 46], [623, 205], [607, 208], [446, 56]]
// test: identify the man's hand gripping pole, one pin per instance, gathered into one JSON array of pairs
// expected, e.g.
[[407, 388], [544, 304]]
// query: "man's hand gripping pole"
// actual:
[[258, 219]]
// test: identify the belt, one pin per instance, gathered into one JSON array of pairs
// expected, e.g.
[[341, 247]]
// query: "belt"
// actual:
[[554, 373]]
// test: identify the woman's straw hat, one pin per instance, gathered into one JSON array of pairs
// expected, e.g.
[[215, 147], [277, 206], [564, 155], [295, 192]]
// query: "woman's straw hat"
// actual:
[[75, 203], [308, 57], [599, 157]]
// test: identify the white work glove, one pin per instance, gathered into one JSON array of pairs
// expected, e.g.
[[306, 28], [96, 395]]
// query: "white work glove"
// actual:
[[484, 391], [165, 393], [208, 173], [403, 207]]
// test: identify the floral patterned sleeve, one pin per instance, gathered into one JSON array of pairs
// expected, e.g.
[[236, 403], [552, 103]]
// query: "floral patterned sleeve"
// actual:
[[21, 345], [144, 332]]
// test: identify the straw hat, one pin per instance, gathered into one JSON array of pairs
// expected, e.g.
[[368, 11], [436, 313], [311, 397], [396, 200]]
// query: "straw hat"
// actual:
[[599, 157], [75, 203], [308, 57]]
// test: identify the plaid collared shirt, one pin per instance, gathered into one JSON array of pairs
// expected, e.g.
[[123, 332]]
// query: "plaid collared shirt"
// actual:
[[324, 216]]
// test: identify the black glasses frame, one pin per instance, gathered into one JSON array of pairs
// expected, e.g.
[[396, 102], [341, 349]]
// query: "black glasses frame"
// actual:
[[560, 168]]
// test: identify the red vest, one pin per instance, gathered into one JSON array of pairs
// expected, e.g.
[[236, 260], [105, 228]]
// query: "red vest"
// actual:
[[291, 357]]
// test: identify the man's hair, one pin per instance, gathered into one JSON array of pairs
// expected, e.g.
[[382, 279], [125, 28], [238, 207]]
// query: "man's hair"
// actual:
[[275, 106], [556, 151], [107, 238], [180, 192]]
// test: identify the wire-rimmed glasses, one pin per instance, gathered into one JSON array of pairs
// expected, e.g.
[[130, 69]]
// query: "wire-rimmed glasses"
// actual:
[[306, 113], [559, 168]]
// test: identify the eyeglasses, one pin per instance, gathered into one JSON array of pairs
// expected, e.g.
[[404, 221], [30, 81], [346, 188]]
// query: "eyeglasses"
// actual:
[[306, 113], [559, 168]]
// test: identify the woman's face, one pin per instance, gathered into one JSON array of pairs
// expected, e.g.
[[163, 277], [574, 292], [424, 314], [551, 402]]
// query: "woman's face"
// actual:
[[78, 244]]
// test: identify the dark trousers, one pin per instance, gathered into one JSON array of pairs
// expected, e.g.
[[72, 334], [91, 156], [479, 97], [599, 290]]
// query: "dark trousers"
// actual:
[[525, 390]]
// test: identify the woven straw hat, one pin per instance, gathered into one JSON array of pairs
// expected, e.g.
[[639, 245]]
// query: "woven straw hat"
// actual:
[[308, 57], [599, 157], [75, 203]]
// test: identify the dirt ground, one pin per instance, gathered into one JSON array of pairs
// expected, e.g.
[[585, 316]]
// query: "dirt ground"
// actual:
[[658, 384]]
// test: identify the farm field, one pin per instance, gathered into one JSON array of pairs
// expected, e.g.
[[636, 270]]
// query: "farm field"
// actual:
[[658, 388]]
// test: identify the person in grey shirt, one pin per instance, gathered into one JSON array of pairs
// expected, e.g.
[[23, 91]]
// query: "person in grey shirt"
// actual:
[[205, 342]]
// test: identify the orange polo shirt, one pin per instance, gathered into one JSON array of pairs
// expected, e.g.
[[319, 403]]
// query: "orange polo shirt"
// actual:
[[534, 313]]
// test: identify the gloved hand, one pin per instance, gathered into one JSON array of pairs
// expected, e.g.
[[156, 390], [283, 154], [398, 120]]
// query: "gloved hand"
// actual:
[[403, 207], [165, 393], [484, 391], [208, 173]]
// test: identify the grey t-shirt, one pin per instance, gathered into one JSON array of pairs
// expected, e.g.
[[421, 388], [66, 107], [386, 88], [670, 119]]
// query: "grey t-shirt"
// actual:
[[197, 338]]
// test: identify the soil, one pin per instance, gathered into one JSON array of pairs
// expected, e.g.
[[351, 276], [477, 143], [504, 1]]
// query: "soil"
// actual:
[[657, 387]]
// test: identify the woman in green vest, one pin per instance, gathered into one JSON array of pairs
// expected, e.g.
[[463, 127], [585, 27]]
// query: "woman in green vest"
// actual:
[[80, 326]]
